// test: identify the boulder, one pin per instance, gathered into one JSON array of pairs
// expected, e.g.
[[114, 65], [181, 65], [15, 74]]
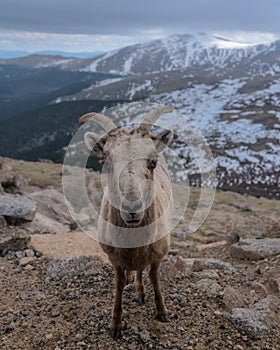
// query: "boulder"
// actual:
[[52, 204], [17, 209], [12, 182], [201, 264], [44, 224], [255, 249], [259, 321]]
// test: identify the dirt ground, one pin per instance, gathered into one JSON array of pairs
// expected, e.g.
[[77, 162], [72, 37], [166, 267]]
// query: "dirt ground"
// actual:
[[43, 308], [58, 304]]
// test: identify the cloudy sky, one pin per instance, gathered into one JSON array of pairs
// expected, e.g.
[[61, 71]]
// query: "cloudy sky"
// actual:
[[92, 25]]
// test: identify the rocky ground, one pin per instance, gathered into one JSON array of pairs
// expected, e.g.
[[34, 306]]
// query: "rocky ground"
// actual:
[[221, 284]]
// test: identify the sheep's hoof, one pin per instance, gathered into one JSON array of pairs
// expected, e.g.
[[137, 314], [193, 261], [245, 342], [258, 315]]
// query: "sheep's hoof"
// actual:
[[140, 300], [162, 318], [115, 334]]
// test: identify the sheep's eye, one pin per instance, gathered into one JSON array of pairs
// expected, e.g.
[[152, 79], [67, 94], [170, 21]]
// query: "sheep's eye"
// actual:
[[152, 163], [102, 160], [107, 163]]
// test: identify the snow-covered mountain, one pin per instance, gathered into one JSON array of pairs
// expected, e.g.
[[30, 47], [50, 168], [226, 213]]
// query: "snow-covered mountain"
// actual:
[[240, 119], [176, 52], [184, 51], [230, 90]]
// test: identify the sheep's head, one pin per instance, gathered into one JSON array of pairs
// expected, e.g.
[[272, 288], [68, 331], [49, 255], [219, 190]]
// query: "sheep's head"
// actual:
[[130, 159]]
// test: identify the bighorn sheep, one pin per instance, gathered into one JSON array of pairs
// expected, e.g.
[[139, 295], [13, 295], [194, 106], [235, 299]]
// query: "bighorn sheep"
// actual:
[[134, 221]]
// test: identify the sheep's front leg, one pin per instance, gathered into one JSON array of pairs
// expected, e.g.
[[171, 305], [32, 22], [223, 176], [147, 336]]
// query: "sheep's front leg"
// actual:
[[161, 314], [116, 324]]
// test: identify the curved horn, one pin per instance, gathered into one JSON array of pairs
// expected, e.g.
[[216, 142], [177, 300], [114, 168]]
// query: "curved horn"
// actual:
[[152, 116], [101, 119]]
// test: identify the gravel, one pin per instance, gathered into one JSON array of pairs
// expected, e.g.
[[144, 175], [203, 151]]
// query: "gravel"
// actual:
[[66, 304]]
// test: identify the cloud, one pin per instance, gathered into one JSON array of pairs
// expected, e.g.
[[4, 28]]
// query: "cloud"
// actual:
[[126, 17], [93, 23], [34, 41]]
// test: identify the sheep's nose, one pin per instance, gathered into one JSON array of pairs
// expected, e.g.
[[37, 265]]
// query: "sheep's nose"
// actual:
[[132, 207]]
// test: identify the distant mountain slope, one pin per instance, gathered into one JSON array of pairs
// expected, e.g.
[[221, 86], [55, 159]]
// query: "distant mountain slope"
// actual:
[[42, 133], [23, 88], [183, 51], [85, 54], [38, 61]]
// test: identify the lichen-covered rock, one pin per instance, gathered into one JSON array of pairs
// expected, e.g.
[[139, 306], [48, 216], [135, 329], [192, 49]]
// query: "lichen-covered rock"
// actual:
[[17, 209], [255, 249], [259, 321], [201, 264]]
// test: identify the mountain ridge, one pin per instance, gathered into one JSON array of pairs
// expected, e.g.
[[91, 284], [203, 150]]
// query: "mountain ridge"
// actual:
[[178, 51]]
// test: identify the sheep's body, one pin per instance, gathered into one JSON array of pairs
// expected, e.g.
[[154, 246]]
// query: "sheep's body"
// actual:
[[134, 239], [133, 259]]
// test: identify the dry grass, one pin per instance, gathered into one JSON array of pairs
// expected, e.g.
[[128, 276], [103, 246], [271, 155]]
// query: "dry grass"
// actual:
[[40, 174]]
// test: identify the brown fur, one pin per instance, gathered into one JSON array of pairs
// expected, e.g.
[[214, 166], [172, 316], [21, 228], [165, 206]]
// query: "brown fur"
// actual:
[[137, 258]]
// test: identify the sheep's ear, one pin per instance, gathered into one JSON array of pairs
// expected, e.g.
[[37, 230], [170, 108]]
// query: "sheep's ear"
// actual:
[[163, 140], [94, 142]]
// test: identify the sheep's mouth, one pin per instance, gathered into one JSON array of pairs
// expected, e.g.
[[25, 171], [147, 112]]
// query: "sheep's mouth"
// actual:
[[133, 222]]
